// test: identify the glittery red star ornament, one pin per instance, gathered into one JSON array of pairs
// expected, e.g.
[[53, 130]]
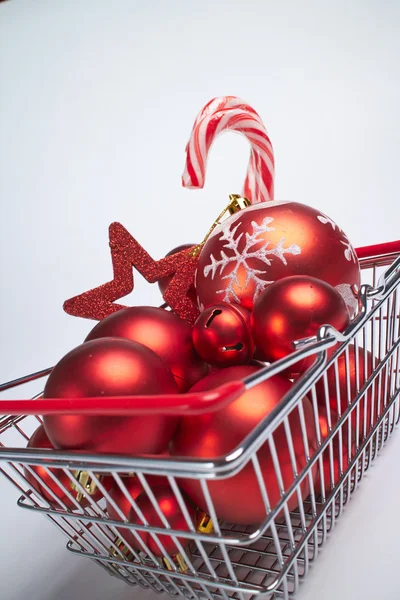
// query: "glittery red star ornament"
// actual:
[[126, 252]]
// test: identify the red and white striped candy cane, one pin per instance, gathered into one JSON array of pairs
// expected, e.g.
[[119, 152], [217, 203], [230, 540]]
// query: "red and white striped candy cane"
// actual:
[[230, 113]]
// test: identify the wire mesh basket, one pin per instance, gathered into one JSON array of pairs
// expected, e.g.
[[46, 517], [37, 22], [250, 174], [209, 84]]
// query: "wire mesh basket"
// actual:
[[213, 558]]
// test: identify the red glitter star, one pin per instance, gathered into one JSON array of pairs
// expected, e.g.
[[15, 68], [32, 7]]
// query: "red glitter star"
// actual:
[[126, 252]]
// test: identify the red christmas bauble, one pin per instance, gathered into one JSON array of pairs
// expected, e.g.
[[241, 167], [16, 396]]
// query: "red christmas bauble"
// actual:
[[331, 472], [163, 332], [163, 283], [339, 398], [134, 489], [39, 439], [222, 335], [215, 435], [268, 241], [170, 508], [291, 309], [110, 367]]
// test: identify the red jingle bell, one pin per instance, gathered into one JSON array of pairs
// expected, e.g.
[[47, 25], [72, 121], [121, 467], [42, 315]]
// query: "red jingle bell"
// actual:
[[39, 439], [291, 309], [110, 367], [339, 396], [164, 281], [170, 508], [163, 332], [268, 241], [215, 435], [222, 336]]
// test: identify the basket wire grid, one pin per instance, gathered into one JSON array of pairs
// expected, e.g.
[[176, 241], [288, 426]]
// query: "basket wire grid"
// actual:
[[230, 561]]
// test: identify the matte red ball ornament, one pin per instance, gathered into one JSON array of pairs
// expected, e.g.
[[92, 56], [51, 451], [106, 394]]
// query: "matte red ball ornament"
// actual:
[[217, 434], [348, 388], [291, 309], [268, 241], [172, 511], [39, 439], [110, 367], [165, 281], [222, 335], [163, 332]]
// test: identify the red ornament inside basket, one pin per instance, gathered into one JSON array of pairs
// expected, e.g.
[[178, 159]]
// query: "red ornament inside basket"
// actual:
[[216, 435]]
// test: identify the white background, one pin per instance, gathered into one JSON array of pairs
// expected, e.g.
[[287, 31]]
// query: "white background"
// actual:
[[97, 99]]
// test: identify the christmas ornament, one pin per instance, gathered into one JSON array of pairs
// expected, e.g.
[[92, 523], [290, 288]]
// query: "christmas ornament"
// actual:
[[125, 253], [134, 489], [269, 241], [331, 471], [164, 281], [229, 113], [110, 367], [215, 435], [170, 508], [222, 335], [39, 439], [163, 332], [348, 388], [291, 309]]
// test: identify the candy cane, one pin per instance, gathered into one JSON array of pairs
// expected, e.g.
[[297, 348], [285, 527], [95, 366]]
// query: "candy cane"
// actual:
[[231, 114], [220, 103]]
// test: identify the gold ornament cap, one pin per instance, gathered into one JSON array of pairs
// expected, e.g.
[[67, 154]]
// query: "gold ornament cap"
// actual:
[[236, 203], [178, 560], [204, 523], [88, 484]]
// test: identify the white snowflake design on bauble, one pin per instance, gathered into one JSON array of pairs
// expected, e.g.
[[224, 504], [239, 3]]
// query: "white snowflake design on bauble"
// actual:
[[347, 293], [349, 252], [241, 258]]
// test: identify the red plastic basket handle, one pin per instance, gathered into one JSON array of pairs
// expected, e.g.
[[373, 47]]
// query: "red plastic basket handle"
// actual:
[[128, 406]]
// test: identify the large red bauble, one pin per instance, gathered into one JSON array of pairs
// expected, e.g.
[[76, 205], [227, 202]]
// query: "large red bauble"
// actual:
[[164, 281], [222, 336], [39, 439], [238, 499], [110, 367], [163, 332], [269, 241], [291, 309], [339, 398], [170, 508]]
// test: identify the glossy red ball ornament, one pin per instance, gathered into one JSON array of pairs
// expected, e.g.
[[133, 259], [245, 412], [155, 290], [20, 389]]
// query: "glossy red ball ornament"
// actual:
[[163, 332], [291, 309], [268, 241], [163, 283], [134, 489], [347, 389], [222, 335], [110, 367], [331, 470], [39, 439], [238, 499], [170, 508]]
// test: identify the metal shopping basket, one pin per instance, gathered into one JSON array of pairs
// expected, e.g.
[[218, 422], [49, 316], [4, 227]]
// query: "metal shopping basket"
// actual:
[[225, 560]]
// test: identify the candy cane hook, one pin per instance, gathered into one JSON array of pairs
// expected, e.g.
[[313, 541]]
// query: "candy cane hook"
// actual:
[[230, 113]]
